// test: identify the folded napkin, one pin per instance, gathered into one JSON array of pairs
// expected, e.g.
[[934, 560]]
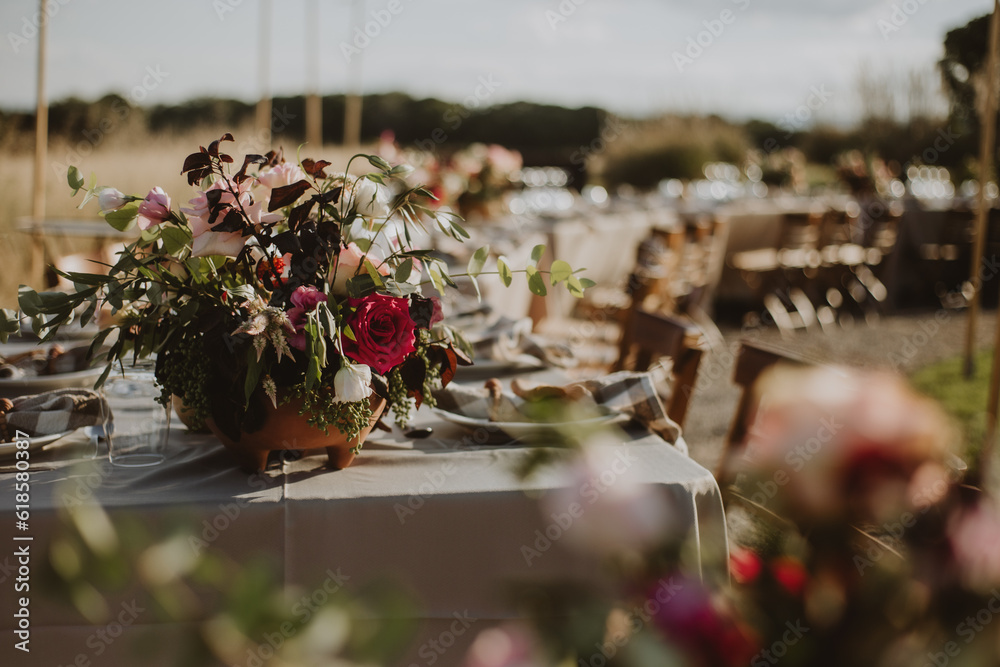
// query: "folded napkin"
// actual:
[[628, 392], [507, 339], [50, 413]]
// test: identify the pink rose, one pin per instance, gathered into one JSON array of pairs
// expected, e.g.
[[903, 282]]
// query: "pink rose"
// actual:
[[154, 209], [281, 175], [349, 265], [297, 317], [305, 298], [383, 332], [209, 242]]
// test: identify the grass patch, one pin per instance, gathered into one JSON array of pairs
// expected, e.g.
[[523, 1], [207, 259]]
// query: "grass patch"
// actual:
[[964, 400]]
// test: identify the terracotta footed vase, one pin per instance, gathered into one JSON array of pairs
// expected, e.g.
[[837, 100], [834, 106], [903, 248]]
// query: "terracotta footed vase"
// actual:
[[285, 428]]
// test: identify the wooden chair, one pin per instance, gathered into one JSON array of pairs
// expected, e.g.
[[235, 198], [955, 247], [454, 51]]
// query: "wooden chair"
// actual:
[[752, 360], [647, 337], [781, 274]]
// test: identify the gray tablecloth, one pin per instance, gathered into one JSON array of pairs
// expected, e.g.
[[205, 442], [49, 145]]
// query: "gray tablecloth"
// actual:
[[443, 517]]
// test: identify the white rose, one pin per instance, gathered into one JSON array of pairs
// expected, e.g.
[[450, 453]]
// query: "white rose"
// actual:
[[352, 382], [373, 200]]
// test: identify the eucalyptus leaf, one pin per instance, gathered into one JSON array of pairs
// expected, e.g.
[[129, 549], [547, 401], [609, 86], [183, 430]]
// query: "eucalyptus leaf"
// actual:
[[175, 239], [478, 261], [123, 219], [503, 268], [435, 274], [29, 301], [537, 252], [404, 270], [10, 323], [75, 179], [560, 271], [536, 283], [360, 286], [373, 272]]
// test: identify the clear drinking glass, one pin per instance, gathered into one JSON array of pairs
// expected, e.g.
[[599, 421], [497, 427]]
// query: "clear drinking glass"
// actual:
[[139, 426]]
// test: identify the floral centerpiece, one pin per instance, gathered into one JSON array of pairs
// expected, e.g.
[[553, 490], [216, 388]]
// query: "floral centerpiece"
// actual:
[[281, 284]]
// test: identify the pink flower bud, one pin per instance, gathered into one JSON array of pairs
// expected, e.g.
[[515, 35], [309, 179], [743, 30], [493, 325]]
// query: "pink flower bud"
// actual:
[[110, 199]]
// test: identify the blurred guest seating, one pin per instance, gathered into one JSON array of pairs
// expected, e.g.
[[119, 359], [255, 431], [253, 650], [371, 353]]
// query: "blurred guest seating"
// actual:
[[647, 338]]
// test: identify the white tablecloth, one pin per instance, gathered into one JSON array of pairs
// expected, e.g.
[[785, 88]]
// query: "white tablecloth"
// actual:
[[445, 519]]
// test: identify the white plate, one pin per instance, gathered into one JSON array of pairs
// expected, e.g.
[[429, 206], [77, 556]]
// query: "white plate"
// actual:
[[491, 367], [8, 450], [525, 429], [37, 384]]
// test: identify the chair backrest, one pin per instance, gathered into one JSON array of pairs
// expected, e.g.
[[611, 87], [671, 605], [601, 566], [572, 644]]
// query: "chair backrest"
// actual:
[[647, 337], [753, 359]]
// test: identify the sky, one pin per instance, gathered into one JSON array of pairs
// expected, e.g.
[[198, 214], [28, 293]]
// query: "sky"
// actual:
[[766, 59]]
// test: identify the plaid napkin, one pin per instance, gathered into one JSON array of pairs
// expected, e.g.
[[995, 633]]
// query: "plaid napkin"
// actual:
[[628, 392], [50, 413]]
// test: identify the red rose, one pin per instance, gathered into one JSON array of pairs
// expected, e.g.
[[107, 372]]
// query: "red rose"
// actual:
[[383, 331]]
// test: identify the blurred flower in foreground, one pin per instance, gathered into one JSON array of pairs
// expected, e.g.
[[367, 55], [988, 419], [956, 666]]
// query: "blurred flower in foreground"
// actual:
[[705, 627], [975, 542], [832, 444], [511, 645], [603, 506]]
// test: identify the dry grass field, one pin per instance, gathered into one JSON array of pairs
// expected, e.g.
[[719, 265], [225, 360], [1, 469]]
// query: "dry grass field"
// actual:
[[130, 161]]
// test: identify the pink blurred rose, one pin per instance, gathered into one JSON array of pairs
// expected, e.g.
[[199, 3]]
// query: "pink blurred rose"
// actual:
[[154, 209], [705, 627], [349, 263], [832, 445], [281, 175], [975, 542], [510, 645]]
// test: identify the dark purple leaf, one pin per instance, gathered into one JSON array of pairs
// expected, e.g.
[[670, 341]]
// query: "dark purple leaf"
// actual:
[[328, 197], [314, 168], [248, 160], [287, 195], [300, 214], [287, 242], [197, 166], [233, 222]]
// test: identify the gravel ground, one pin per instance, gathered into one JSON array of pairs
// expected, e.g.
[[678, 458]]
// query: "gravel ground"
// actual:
[[904, 342]]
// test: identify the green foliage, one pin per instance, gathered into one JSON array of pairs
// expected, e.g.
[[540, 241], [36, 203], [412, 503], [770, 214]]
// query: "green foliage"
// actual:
[[965, 400], [325, 412]]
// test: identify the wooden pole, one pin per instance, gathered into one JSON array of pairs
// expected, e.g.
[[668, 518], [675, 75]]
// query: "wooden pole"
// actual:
[[987, 146], [41, 151], [986, 151], [314, 103], [264, 75], [352, 105]]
